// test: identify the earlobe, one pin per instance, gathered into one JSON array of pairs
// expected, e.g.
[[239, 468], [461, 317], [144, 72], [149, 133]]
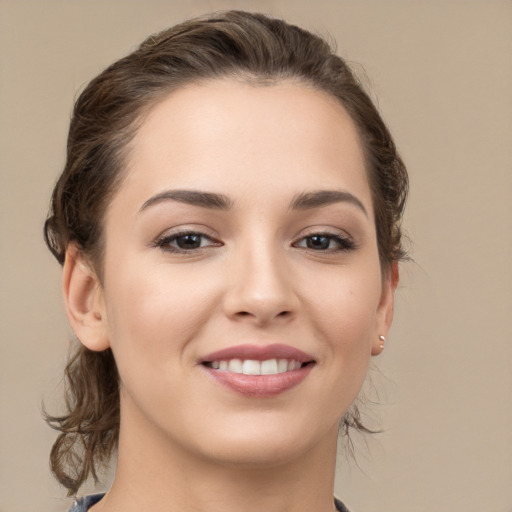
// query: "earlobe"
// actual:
[[385, 309], [83, 297]]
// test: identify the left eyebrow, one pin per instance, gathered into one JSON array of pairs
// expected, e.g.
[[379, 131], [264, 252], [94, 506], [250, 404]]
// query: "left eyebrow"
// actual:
[[319, 198]]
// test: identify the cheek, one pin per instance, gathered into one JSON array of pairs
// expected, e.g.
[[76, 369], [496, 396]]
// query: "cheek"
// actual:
[[346, 306], [151, 317], [156, 310]]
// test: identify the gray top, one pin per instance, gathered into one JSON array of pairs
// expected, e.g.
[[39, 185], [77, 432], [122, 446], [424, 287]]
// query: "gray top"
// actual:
[[83, 504]]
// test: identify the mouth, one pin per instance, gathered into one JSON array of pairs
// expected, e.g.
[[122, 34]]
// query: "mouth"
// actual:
[[255, 367], [258, 371]]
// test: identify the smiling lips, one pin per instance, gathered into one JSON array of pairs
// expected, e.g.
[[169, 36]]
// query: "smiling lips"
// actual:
[[259, 371]]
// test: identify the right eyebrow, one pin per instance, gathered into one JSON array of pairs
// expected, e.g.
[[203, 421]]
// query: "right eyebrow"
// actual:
[[193, 197]]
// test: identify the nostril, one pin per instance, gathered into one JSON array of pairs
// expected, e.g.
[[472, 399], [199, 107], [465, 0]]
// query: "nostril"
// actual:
[[282, 314]]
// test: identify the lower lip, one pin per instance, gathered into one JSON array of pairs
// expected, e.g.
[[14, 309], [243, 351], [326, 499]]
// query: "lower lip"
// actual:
[[260, 386]]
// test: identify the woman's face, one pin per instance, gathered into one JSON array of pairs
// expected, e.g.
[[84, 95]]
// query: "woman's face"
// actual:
[[242, 243]]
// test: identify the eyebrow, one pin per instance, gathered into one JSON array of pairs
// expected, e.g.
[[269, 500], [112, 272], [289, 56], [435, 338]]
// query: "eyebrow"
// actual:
[[211, 200], [319, 198], [192, 197]]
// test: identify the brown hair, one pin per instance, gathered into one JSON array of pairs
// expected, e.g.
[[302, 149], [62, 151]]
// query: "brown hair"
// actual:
[[250, 47]]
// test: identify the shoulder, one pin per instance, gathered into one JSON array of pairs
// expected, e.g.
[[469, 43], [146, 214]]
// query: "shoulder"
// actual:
[[339, 506], [83, 504]]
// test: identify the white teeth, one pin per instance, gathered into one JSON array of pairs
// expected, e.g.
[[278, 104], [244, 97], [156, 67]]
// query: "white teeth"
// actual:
[[282, 365], [235, 366], [269, 367], [293, 365], [253, 367]]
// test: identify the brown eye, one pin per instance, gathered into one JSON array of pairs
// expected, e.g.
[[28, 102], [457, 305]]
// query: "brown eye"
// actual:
[[326, 242], [319, 243], [185, 242], [188, 241]]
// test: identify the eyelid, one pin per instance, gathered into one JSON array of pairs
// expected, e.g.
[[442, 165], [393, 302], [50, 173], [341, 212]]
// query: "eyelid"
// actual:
[[163, 241], [345, 241]]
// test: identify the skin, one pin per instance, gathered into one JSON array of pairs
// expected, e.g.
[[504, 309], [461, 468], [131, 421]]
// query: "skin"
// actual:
[[186, 442]]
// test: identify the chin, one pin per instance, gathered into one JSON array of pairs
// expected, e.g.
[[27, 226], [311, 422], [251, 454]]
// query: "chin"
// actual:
[[264, 445]]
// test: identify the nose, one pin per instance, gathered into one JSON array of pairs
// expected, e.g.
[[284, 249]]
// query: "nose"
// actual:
[[260, 288]]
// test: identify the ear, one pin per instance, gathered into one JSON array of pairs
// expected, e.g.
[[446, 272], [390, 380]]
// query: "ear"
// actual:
[[386, 307], [83, 297]]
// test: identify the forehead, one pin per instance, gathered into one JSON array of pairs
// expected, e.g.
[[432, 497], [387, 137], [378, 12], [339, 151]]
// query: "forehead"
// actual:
[[225, 133]]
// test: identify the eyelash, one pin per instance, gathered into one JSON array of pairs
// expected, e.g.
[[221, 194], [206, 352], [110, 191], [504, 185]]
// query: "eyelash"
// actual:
[[165, 242], [344, 244]]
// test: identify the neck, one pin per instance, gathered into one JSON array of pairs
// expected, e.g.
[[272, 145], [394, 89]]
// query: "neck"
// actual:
[[159, 476]]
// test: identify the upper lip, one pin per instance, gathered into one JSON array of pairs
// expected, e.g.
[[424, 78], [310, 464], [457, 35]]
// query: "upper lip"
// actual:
[[258, 353]]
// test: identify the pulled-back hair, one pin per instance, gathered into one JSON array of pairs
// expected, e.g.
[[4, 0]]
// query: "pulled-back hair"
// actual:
[[245, 46]]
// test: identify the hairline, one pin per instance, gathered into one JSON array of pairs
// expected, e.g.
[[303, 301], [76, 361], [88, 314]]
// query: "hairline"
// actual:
[[242, 77]]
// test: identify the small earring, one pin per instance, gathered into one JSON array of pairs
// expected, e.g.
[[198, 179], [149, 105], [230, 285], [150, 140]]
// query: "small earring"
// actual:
[[383, 339]]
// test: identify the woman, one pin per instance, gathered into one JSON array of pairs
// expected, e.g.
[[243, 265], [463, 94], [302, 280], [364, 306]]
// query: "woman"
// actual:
[[228, 221]]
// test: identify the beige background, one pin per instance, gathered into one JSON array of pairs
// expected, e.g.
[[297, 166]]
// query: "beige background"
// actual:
[[442, 73]]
